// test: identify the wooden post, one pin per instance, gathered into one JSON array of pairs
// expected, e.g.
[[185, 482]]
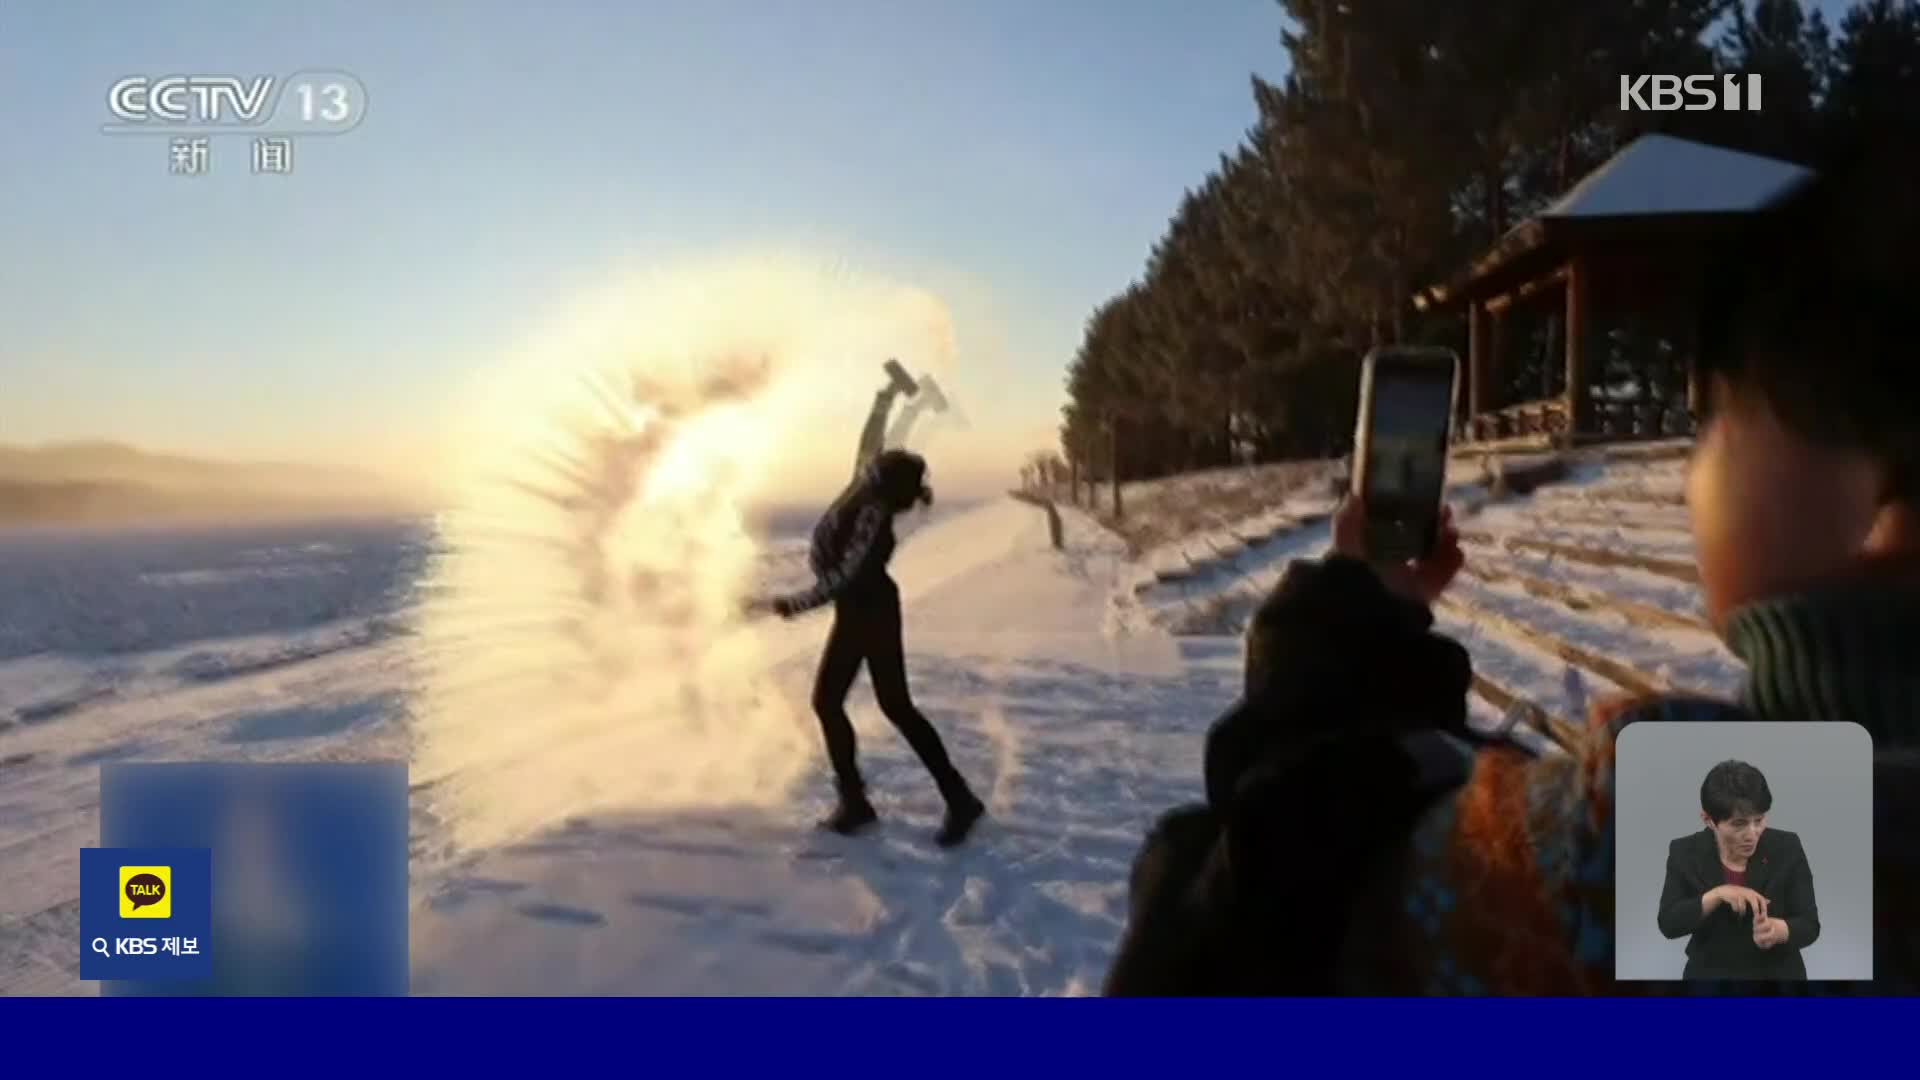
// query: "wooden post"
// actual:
[[1477, 343], [1576, 334], [1556, 335], [1493, 396], [1696, 386], [1496, 356]]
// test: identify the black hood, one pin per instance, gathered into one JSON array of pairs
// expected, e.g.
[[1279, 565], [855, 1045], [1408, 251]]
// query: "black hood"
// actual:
[[899, 477]]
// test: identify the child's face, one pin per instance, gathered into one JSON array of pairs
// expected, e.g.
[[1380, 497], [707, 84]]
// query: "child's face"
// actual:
[[1771, 511]]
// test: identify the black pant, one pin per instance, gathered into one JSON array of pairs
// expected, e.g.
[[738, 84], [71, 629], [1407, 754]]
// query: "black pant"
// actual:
[[866, 629]]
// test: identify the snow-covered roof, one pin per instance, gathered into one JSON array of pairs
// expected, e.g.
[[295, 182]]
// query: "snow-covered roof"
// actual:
[[1651, 177], [1661, 174]]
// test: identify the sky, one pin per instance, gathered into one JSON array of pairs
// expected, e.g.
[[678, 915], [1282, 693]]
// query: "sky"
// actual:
[[1015, 159]]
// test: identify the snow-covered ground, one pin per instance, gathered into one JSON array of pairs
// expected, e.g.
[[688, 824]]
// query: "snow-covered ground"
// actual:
[[1076, 739], [1579, 591], [1156, 513], [1074, 687]]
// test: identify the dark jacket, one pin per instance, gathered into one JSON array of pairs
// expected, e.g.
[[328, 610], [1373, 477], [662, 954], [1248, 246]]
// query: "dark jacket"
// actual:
[[853, 541], [1353, 721], [1720, 945]]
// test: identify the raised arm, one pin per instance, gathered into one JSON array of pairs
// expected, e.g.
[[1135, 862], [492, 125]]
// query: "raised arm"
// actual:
[[873, 436]]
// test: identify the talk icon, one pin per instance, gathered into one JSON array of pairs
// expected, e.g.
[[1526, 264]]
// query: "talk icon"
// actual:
[[146, 892]]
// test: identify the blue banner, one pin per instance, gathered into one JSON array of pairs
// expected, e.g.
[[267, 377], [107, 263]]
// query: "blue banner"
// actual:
[[982, 1039], [146, 913], [309, 874]]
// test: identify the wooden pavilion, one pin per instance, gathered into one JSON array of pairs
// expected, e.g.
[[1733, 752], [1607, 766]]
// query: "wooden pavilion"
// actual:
[[1581, 320]]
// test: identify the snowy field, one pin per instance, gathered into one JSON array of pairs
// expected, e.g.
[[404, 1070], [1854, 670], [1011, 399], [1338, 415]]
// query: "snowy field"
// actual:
[[1073, 687], [1076, 740]]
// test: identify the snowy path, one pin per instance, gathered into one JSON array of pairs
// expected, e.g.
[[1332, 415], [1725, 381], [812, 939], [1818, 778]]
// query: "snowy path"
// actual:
[[1076, 739]]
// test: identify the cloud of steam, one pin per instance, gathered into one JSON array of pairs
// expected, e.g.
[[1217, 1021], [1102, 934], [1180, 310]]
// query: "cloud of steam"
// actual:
[[579, 644]]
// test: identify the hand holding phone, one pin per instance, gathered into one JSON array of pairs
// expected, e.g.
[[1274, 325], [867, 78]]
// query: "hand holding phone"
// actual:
[[1422, 579]]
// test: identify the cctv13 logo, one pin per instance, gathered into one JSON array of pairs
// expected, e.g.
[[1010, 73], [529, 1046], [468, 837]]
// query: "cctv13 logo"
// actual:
[[146, 892]]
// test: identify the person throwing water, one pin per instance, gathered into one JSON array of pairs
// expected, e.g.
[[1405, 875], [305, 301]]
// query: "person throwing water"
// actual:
[[852, 545]]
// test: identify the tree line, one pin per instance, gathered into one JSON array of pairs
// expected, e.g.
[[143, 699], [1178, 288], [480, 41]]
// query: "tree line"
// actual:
[[1406, 137]]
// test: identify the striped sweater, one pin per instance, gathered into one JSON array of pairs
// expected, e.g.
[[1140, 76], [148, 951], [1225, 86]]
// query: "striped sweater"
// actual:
[[852, 545]]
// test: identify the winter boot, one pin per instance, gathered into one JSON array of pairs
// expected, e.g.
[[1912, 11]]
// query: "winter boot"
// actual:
[[964, 808], [853, 814]]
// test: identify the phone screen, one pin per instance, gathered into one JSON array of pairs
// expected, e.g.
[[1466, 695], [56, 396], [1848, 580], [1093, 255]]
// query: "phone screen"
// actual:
[[1408, 445], [1406, 467]]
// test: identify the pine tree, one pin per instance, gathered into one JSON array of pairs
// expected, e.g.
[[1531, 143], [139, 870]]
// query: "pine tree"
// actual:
[[1406, 138], [1791, 52], [1874, 83]]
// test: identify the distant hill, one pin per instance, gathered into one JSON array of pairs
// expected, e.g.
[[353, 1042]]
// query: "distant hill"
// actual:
[[105, 482]]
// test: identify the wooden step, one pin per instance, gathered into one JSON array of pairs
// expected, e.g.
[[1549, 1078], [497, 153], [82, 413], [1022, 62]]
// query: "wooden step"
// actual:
[[1661, 450], [1253, 536], [1226, 546], [1169, 564], [1577, 598], [1622, 675], [1524, 476], [1531, 713], [1612, 495], [1649, 590], [1593, 514], [1684, 572]]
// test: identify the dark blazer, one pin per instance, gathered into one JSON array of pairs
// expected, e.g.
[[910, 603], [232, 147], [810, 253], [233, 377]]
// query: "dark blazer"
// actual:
[[1720, 945]]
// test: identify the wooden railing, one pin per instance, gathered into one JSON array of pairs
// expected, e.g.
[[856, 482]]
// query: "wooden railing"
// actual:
[[1606, 421], [1640, 420], [1548, 418]]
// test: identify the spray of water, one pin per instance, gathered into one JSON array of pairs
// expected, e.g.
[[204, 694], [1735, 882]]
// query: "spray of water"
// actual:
[[579, 643]]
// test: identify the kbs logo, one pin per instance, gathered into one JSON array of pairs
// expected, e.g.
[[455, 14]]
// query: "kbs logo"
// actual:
[[146, 892], [1694, 93]]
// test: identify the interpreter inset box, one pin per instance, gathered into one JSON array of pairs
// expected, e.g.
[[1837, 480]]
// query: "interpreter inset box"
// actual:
[[308, 875], [1744, 851]]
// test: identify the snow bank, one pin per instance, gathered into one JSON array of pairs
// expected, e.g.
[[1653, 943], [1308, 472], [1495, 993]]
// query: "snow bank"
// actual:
[[1588, 567]]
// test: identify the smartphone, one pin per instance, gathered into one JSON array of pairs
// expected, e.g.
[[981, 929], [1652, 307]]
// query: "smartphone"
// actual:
[[1401, 434]]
